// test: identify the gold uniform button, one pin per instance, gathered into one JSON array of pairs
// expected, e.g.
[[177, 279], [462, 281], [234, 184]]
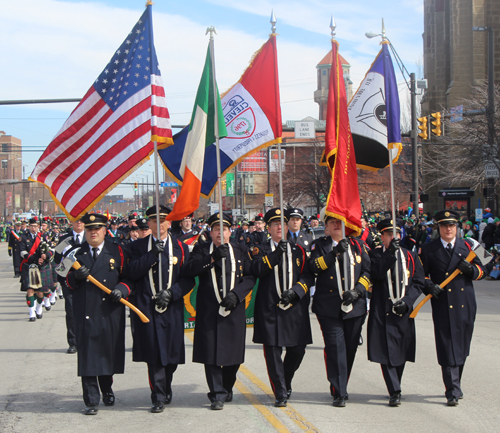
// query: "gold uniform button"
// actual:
[[387, 313], [462, 306], [331, 290], [446, 274], [449, 290], [451, 306], [462, 289], [331, 278]]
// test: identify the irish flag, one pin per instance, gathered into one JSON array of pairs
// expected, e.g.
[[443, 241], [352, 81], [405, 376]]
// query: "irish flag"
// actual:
[[200, 134]]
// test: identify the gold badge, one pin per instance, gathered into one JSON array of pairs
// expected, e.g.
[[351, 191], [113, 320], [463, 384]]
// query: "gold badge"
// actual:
[[298, 262], [92, 217], [175, 260], [446, 214], [218, 215], [358, 259], [278, 212], [111, 260]]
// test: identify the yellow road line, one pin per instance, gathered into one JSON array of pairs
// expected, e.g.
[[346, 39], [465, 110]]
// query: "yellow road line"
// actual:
[[266, 413], [290, 411]]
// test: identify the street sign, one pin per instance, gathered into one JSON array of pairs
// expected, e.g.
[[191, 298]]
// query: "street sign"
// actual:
[[305, 130], [456, 114], [120, 201], [169, 184], [214, 207], [479, 214], [269, 200], [490, 170], [230, 184]]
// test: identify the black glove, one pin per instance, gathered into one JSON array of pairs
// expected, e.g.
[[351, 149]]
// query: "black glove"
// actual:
[[116, 295], [163, 298], [282, 246], [289, 297], [466, 268], [158, 248], [342, 246], [82, 273], [433, 289], [349, 297], [230, 301], [393, 246], [400, 307], [220, 252], [10, 252]]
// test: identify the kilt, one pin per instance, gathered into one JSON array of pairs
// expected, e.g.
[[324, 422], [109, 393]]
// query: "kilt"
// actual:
[[45, 276], [54, 273]]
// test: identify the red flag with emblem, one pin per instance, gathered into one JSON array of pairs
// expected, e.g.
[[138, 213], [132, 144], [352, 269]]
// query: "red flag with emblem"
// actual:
[[343, 199]]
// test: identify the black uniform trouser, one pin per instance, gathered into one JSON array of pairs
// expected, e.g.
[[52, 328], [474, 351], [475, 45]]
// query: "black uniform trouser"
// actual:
[[281, 371], [341, 344], [220, 380], [452, 376], [392, 376], [91, 386], [160, 381], [68, 306]]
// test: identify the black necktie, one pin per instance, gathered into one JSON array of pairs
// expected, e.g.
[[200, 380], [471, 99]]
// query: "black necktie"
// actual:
[[295, 238], [94, 253], [449, 249], [77, 239]]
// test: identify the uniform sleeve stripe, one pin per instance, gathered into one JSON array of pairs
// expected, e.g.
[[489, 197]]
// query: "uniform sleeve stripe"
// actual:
[[321, 262], [303, 286], [266, 260], [364, 283], [480, 272]]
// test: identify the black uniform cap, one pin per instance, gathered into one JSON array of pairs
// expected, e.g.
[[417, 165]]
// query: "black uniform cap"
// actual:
[[273, 214], [142, 224], [447, 217], [152, 212], [387, 224], [94, 220], [227, 219]]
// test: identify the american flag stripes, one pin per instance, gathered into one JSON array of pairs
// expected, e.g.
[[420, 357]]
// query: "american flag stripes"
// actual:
[[111, 131]]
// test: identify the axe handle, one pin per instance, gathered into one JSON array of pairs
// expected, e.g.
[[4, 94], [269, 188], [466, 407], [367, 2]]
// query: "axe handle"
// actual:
[[141, 315], [415, 311]]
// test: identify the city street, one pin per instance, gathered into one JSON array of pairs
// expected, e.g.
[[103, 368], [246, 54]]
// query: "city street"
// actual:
[[40, 390]]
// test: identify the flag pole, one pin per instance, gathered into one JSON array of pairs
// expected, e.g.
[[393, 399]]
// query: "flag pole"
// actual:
[[345, 255], [149, 5], [212, 30], [393, 201], [280, 171]]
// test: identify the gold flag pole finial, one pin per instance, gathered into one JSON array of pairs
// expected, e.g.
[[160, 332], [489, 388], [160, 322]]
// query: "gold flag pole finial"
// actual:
[[149, 3]]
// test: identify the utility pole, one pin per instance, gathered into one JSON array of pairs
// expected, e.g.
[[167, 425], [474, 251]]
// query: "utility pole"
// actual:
[[490, 113], [414, 146]]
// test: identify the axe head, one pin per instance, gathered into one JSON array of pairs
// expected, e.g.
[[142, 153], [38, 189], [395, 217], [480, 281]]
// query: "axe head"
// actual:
[[484, 256], [63, 245], [67, 263]]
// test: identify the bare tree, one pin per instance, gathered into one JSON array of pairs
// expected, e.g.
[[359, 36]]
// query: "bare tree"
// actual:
[[459, 156]]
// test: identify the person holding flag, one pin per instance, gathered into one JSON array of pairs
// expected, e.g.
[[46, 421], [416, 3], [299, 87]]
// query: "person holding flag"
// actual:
[[342, 264]]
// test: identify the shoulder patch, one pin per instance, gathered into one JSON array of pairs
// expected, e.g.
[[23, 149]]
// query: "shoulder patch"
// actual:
[[255, 251], [313, 246]]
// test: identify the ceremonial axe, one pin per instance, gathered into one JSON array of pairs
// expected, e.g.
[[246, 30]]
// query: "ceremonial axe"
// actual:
[[70, 261], [476, 251]]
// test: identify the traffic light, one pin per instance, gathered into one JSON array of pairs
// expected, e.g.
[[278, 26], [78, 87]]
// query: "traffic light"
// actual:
[[436, 122], [135, 186], [423, 127]]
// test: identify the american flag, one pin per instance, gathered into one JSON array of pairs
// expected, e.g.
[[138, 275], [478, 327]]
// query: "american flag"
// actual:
[[111, 131]]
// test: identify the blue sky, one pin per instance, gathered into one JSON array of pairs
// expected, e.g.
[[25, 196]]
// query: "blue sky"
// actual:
[[56, 49]]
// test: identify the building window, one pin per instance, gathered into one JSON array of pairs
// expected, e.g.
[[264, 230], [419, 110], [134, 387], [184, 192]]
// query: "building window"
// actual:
[[324, 71], [5, 163], [5, 147]]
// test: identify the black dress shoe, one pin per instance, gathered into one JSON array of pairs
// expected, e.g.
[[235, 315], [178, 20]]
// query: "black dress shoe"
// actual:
[[91, 410], [280, 402], [217, 405], [32, 319], [229, 397], [339, 402], [461, 396], [168, 399], [47, 308], [61, 297], [71, 349], [288, 393], [108, 399], [452, 401], [38, 316], [395, 399], [157, 407]]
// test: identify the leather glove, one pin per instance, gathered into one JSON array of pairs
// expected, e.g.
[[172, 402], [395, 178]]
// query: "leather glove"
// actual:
[[220, 252], [158, 248], [393, 246], [289, 297], [163, 298], [10, 252], [433, 289], [282, 246], [400, 307], [230, 301], [342, 246], [116, 295], [349, 297], [82, 273], [466, 268]]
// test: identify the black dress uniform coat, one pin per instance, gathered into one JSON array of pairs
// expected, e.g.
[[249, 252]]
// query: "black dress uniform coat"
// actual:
[[256, 239], [99, 322], [304, 239], [15, 249], [327, 301], [454, 312], [162, 339], [220, 340], [274, 326], [391, 338]]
